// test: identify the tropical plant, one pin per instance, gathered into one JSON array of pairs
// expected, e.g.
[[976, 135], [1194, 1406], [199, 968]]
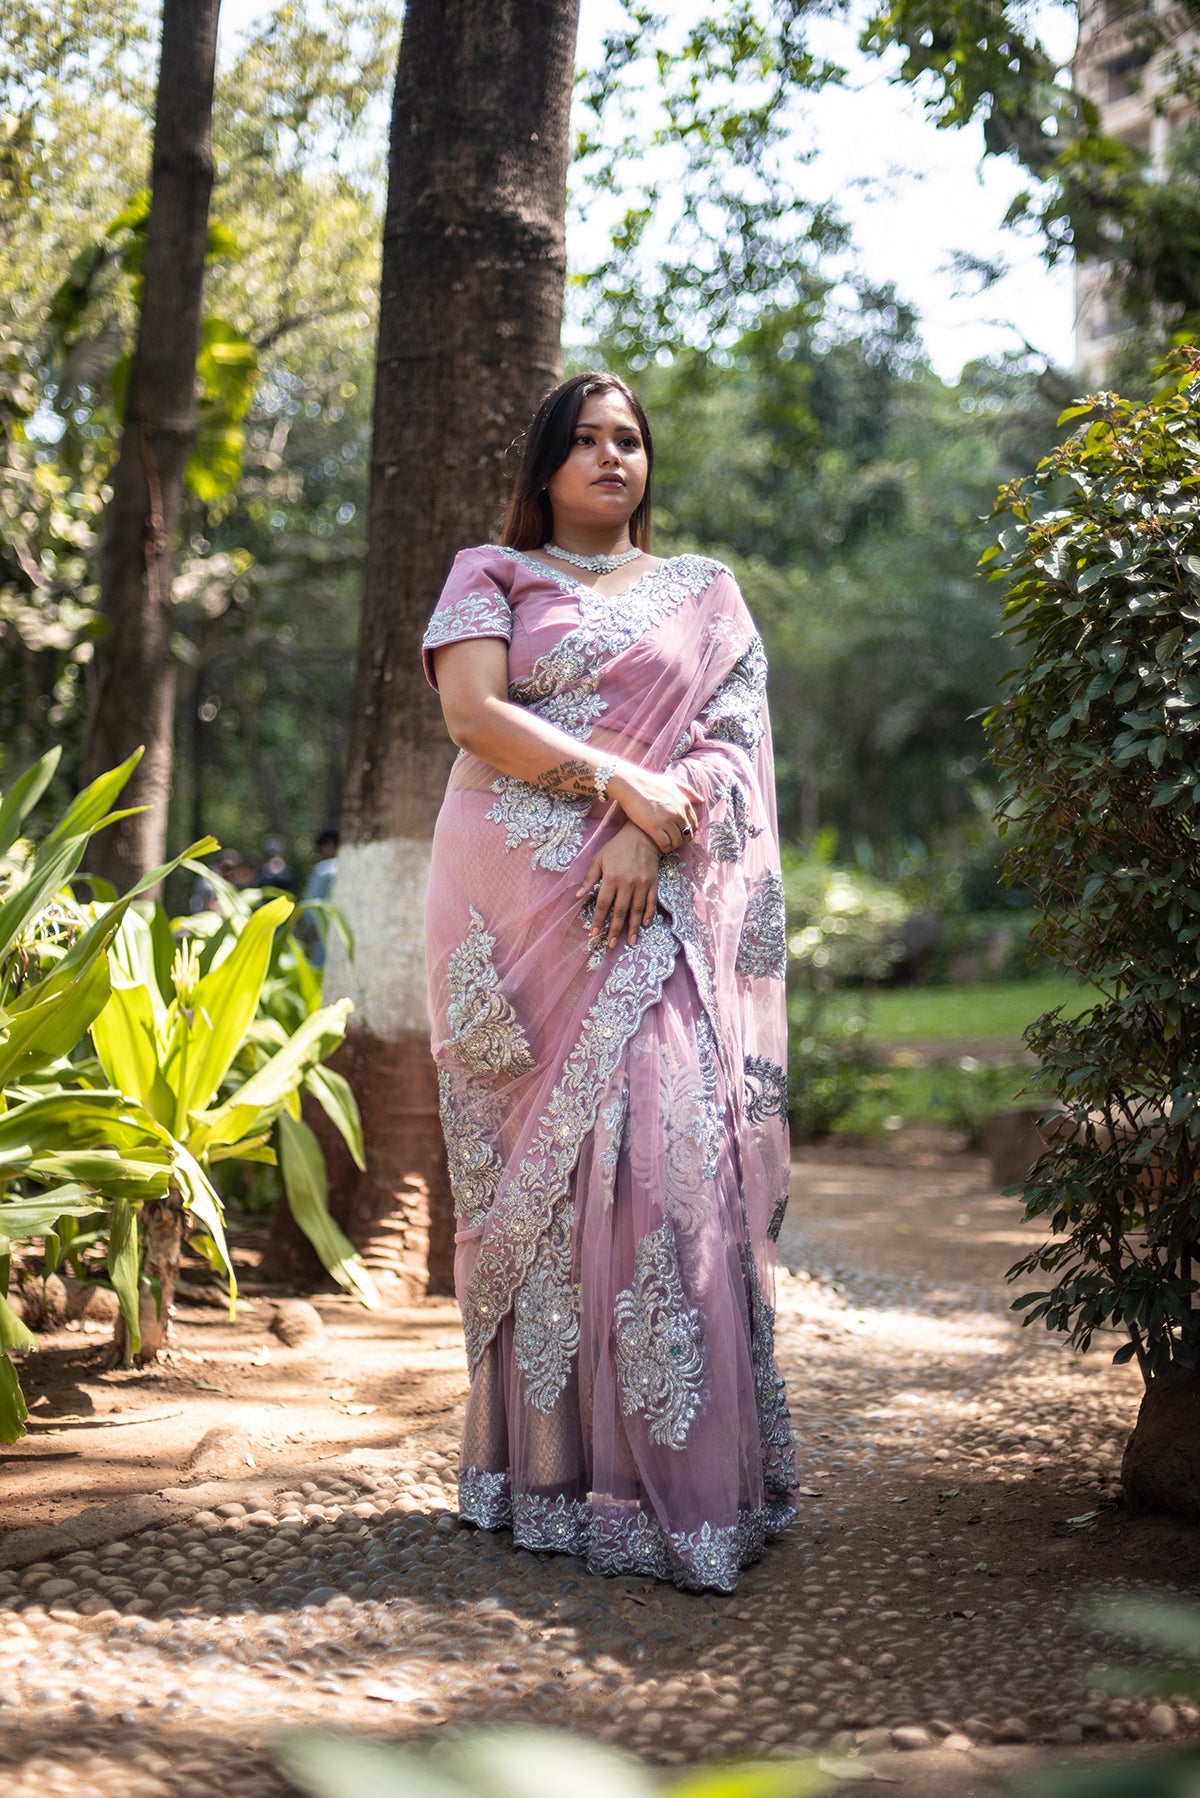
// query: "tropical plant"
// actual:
[[182, 1035], [64, 1152], [1097, 739], [521, 1763]]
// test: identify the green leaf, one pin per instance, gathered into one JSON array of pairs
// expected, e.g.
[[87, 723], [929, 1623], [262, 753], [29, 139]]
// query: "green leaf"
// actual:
[[13, 1334], [329, 1766], [21, 1218], [224, 1003], [123, 1263], [13, 1411], [768, 1779], [258, 1101], [24, 794], [128, 1043], [530, 1763], [306, 1186], [335, 1096], [201, 1198]]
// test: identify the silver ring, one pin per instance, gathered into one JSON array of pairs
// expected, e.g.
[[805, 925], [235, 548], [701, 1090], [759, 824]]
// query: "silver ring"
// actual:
[[687, 830]]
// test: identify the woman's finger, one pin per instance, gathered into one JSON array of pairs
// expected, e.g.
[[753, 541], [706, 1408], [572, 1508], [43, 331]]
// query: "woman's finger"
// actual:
[[637, 907], [604, 900], [590, 878], [618, 915], [651, 903]]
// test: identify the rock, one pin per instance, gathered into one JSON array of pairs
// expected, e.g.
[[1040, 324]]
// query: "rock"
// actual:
[[1012, 1730], [1088, 1722], [1161, 1722], [958, 1743], [221, 1452], [55, 1588], [911, 1736], [1160, 1470], [297, 1324], [1069, 1734]]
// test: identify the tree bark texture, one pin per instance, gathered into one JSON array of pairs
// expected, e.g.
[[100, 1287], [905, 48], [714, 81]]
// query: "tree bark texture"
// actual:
[[474, 262], [134, 696]]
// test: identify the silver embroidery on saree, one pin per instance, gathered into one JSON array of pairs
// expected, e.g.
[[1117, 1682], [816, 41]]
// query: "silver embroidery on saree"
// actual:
[[546, 1315], [524, 1208], [656, 1343], [471, 1160], [481, 613], [485, 1032], [762, 948], [736, 711]]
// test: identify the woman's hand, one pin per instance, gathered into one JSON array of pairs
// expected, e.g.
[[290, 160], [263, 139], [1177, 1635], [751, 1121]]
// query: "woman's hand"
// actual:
[[665, 808], [626, 872]]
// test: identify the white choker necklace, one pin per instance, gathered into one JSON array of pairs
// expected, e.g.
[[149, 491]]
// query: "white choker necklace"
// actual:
[[593, 564]]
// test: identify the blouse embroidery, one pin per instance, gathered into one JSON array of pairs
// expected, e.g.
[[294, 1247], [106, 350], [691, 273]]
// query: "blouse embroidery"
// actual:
[[656, 1343], [483, 612]]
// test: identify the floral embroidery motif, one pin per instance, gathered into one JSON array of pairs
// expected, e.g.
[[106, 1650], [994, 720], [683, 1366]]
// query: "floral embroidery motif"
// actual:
[[610, 1140], [680, 1157], [770, 1397], [546, 1316], [635, 983], [767, 1099], [762, 948], [727, 837], [552, 822], [481, 613], [485, 1032], [736, 711], [620, 1537], [473, 1163], [656, 1343]]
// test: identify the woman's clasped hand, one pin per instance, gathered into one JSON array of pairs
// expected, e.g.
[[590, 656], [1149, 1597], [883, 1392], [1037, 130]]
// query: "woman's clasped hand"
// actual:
[[623, 875]]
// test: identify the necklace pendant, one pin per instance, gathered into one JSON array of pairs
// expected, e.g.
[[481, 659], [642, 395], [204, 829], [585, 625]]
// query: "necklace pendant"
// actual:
[[593, 564]]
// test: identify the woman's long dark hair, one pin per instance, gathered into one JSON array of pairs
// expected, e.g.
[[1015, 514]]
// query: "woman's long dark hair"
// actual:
[[529, 521]]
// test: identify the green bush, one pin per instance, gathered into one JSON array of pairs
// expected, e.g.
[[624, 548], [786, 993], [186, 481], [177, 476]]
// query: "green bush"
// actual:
[[844, 927], [1097, 737]]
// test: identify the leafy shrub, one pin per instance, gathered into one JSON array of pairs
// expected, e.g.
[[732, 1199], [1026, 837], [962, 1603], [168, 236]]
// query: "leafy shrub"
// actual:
[[830, 1066], [844, 928], [1097, 736]]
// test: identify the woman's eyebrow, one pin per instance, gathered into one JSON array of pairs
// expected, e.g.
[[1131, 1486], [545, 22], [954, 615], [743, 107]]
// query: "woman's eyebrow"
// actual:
[[583, 424]]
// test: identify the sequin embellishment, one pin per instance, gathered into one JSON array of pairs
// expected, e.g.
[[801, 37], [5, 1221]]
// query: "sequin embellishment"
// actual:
[[485, 1032], [481, 613], [766, 1089], [656, 1343], [472, 1162], [546, 1315], [736, 711], [762, 948]]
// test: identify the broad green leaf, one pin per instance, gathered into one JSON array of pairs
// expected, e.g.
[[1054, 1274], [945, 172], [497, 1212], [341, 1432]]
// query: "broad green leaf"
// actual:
[[59, 1121], [127, 1040], [329, 1766], [136, 1177], [89, 812], [306, 1186], [23, 795], [260, 1098], [224, 1003], [21, 1217], [532, 1763], [123, 1262], [13, 1410], [766, 1779], [48, 1020], [335, 1096], [202, 1199], [46, 875], [13, 1334]]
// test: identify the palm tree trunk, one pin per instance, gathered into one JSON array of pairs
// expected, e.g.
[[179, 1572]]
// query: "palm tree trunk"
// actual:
[[474, 262], [134, 696]]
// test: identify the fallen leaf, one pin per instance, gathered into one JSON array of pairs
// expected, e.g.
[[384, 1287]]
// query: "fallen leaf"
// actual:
[[340, 1396], [950, 1492], [359, 1410], [962, 1218], [250, 1461], [900, 1501], [389, 1694], [1083, 1517], [633, 1597], [808, 1492], [207, 1386], [260, 1357]]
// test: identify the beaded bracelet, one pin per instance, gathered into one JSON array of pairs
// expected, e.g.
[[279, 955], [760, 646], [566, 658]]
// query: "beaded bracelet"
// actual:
[[601, 775]]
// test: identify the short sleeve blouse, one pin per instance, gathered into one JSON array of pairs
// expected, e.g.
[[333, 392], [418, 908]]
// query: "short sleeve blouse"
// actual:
[[473, 603]]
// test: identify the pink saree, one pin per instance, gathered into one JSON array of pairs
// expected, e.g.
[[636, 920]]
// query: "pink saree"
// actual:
[[616, 1122]]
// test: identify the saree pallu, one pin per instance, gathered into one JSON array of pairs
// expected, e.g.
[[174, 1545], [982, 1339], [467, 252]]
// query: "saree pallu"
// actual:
[[616, 1121]]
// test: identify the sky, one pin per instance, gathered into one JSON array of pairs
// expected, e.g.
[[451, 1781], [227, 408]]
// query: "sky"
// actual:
[[913, 196]]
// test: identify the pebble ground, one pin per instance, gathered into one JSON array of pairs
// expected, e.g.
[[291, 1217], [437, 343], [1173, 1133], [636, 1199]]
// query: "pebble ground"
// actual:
[[911, 1607]]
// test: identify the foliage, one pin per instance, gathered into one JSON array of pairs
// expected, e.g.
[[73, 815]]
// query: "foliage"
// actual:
[[1097, 739], [843, 927], [520, 1763], [830, 1066], [1173, 1629]]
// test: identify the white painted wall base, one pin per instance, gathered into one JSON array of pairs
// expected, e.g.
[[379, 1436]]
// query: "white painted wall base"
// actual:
[[381, 890]]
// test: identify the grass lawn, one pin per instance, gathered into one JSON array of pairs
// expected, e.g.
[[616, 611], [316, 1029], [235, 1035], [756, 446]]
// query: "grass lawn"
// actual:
[[996, 1012]]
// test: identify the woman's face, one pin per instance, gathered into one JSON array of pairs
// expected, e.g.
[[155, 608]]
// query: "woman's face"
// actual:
[[601, 483]]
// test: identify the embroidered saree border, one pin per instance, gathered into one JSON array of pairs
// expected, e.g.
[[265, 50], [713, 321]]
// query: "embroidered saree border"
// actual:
[[521, 1213], [619, 1537]]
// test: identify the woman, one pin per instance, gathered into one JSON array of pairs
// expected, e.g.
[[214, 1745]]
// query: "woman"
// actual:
[[606, 958]]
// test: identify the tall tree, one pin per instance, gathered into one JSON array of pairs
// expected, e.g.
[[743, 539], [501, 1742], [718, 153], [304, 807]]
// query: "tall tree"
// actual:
[[474, 263], [134, 696]]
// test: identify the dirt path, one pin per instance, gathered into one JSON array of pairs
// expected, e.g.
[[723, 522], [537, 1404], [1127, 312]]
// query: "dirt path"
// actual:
[[960, 1478]]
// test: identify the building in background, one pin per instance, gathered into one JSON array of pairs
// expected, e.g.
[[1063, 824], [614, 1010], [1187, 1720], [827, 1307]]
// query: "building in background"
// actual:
[[1123, 63]]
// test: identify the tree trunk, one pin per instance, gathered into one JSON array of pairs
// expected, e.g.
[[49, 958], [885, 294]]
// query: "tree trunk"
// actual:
[[474, 262], [161, 1231], [134, 696]]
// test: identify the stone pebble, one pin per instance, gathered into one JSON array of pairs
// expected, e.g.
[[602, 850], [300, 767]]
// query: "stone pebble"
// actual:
[[288, 1605]]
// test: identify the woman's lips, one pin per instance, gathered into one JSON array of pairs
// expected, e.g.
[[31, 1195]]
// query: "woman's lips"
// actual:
[[609, 480]]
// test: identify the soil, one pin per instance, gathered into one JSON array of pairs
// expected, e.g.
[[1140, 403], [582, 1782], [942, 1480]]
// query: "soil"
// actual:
[[960, 1505]]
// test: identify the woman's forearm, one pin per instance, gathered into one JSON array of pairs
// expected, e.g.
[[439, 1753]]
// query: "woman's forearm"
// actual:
[[518, 742]]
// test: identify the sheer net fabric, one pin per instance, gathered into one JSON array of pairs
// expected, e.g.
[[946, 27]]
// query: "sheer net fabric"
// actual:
[[615, 1122]]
